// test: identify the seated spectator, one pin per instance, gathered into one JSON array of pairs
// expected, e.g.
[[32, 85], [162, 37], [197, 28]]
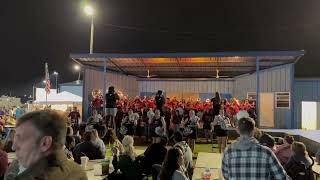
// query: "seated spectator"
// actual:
[[267, 141], [9, 141], [279, 141], [3, 163], [126, 161], [70, 132], [257, 133], [284, 152], [87, 148], [247, 159], [69, 146], [299, 165], [95, 118], [112, 140], [178, 140], [98, 142], [154, 154], [39, 140], [173, 166]]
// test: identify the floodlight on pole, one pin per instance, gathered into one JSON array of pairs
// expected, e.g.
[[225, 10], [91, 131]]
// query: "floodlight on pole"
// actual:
[[56, 74], [78, 68], [44, 81], [90, 11]]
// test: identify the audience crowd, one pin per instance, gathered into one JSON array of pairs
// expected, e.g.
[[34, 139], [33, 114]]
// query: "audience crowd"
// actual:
[[49, 145]]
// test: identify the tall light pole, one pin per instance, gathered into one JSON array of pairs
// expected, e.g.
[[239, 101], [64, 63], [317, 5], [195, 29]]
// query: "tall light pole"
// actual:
[[77, 68], [89, 11], [56, 74]]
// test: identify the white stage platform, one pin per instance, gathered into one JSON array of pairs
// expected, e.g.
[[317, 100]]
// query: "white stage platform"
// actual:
[[310, 137], [310, 134]]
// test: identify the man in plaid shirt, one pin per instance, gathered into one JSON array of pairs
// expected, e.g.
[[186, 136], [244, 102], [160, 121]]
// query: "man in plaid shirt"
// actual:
[[247, 159]]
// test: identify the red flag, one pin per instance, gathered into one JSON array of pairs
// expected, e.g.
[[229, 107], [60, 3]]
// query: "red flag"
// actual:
[[48, 84]]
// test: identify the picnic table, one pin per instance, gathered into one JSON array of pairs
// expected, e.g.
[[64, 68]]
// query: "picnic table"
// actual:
[[90, 171], [210, 160], [91, 163]]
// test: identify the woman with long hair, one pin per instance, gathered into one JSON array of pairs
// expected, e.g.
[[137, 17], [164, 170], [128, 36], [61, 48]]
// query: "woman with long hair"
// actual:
[[125, 162], [158, 127], [216, 104], [128, 147], [172, 168], [284, 151], [220, 124], [192, 123], [111, 140], [98, 142]]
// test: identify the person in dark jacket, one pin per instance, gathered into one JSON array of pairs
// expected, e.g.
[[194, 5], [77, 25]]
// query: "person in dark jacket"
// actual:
[[111, 106], [154, 154], [160, 101], [299, 165], [216, 103], [87, 148]]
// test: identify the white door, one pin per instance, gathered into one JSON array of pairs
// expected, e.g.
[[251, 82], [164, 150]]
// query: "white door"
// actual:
[[266, 110], [309, 115]]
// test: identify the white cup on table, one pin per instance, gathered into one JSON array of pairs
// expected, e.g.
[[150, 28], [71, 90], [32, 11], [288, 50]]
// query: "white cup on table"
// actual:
[[84, 162]]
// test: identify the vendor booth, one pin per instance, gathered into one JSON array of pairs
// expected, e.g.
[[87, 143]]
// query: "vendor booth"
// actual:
[[266, 77], [59, 101]]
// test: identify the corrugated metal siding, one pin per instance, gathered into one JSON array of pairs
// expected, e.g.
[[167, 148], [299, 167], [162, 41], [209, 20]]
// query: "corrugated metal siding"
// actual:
[[271, 80], [276, 79], [305, 90], [127, 84], [94, 80], [183, 86]]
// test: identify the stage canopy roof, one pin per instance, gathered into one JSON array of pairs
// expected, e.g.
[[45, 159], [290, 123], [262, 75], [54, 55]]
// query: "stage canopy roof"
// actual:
[[187, 65]]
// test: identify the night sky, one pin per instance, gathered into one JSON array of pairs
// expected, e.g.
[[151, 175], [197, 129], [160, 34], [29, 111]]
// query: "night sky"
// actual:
[[33, 30]]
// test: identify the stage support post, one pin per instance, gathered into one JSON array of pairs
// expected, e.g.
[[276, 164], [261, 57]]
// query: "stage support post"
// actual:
[[292, 118], [104, 85], [258, 91]]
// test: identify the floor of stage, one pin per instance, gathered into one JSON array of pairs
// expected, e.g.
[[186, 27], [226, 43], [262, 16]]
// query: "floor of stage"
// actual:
[[310, 134]]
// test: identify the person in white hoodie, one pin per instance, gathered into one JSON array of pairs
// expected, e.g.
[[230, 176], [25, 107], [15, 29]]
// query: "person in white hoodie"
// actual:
[[247, 159]]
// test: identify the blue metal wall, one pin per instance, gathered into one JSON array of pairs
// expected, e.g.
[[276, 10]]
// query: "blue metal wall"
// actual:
[[187, 86], [278, 79], [305, 90]]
